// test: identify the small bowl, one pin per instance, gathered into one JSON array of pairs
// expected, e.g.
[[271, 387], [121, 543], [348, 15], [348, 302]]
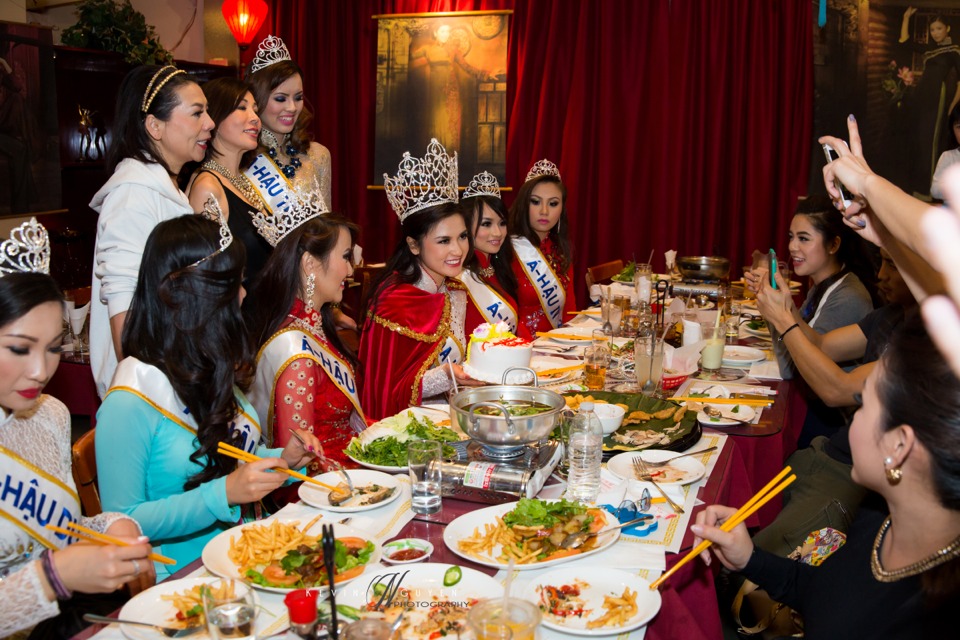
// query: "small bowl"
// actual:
[[406, 545], [611, 416]]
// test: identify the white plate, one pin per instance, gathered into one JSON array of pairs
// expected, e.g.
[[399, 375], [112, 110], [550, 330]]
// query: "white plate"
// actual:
[[426, 584], [378, 467], [147, 606], [584, 333], [216, 560], [759, 333], [743, 412], [463, 527], [602, 582], [736, 356], [621, 465], [318, 496], [440, 416]]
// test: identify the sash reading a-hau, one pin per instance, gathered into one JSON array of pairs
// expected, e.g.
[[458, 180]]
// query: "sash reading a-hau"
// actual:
[[31, 498], [274, 187], [283, 348], [152, 386], [451, 352], [543, 278], [492, 306]]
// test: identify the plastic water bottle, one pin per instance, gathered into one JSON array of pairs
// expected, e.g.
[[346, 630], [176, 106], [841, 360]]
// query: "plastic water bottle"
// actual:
[[584, 455]]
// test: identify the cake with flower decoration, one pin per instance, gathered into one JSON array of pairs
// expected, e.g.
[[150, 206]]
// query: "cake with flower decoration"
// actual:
[[493, 349]]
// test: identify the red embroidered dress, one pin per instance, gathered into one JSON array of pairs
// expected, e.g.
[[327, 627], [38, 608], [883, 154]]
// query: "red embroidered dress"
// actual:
[[532, 317]]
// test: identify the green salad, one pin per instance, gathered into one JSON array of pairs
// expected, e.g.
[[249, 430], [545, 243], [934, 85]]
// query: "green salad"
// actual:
[[531, 512], [626, 275], [388, 445]]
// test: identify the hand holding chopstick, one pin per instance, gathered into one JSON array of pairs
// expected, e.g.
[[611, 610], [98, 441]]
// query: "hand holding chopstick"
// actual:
[[244, 456]]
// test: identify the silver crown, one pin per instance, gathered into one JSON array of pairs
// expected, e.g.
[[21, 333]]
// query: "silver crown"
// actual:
[[270, 51], [483, 184], [543, 168], [27, 250], [212, 211], [422, 183], [306, 205]]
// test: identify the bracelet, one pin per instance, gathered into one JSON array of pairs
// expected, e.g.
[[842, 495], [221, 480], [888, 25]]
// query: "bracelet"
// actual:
[[789, 329], [50, 571]]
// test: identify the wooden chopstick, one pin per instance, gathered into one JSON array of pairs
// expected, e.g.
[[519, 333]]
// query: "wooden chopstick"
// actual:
[[80, 531], [563, 336], [770, 491], [743, 401], [550, 372], [245, 456]]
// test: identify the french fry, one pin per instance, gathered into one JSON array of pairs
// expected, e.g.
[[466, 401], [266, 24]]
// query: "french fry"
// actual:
[[618, 610]]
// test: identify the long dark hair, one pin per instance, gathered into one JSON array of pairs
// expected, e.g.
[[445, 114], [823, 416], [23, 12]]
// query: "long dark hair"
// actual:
[[185, 320], [520, 220], [265, 81], [854, 253], [501, 261], [130, 138], [22, 292], [279, 282], [404, 267], [919, 388]]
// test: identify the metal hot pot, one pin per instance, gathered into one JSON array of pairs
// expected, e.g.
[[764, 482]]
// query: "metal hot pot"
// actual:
[[704, 267]]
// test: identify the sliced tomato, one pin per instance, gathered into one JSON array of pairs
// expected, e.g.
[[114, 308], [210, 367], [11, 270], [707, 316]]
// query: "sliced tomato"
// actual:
[[562, 553], [349, 573], [275, 574], [353, 543]]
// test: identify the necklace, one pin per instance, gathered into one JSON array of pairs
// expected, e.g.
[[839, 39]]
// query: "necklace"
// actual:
[[314, 325], [486, 272], [935, 559], [272, 144], [241, 183]]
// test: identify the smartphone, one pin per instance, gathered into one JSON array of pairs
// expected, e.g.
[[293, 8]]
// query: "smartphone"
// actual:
[[773, 268], [844, 194]]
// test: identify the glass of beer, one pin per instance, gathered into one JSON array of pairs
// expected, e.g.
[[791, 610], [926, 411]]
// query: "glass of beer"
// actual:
[[595, 362]]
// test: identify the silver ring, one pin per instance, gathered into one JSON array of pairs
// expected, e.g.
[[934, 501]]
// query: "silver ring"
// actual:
[[136, 568]]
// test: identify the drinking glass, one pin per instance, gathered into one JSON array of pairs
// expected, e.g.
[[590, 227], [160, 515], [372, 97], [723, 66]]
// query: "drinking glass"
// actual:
[[648, 363], [711, 357], [367, 629], [425, 459], [643, 281], [492, 620], [595, 363], [600, 339], [230, 608], [610, 314], [732, 321]]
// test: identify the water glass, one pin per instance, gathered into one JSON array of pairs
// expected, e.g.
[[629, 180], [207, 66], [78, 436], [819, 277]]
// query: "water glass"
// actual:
[[596, 360], [643, 281], [491, 620], [732, 321], [600, 338], [648, 363], [610, 314], [425, 460], [711, 357], [230, 607], [367, 629]]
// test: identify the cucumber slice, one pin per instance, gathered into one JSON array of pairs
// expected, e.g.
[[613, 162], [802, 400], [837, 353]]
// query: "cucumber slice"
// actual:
[[452, 576]]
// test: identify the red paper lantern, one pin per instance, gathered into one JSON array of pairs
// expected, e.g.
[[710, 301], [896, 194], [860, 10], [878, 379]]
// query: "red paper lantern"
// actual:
[[244, 18]]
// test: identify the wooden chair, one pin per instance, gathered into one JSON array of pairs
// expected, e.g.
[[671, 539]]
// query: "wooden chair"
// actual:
[[85, 473], [601, 273]]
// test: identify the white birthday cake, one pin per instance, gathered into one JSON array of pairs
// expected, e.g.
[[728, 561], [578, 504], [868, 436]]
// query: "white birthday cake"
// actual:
[[493, 349]]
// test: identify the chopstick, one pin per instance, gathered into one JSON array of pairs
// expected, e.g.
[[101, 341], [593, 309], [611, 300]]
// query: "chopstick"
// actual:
[[743, 401], [239, 454], [550, 372], [563, 336], [769, 491], [80, 531]]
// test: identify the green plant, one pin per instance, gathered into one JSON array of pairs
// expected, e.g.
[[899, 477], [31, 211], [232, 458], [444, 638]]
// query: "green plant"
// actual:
[[114, 25]]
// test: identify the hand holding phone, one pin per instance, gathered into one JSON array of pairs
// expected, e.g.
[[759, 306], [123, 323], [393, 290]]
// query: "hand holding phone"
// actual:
[[832, 155], [773, 269]]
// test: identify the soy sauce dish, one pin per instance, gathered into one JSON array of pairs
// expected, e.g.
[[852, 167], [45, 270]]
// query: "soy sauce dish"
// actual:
[[407, 551]]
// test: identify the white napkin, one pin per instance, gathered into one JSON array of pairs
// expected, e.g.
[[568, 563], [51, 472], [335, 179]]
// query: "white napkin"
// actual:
[[765, 370], [691, 332], [78, 317], [357, 255], [595, 293], [685, 358], [670, 257]]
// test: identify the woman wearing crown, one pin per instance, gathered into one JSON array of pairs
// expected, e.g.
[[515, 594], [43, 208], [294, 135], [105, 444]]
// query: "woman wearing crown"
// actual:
[[413, 332], [544, 253], [489, 280], [179, 392], [38, 568], [306, 377]]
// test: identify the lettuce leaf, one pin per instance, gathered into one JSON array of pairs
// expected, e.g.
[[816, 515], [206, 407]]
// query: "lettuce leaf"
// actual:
[[531, 512]]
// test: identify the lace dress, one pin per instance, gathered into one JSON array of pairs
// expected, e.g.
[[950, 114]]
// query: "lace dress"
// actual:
[[42, 437]]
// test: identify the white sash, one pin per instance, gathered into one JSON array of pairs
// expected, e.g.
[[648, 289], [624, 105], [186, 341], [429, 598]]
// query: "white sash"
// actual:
[[450, 352], [30, 498], [274, 187], [285, 346], [492, 306], [152, 386], [543, 278]]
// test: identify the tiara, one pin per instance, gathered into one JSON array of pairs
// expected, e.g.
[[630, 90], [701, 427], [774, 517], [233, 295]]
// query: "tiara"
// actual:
[[422, 183], [307, 204], [270, 51], [27, 250], [543, 168], [483, 184], [212, 211], [153, 87]]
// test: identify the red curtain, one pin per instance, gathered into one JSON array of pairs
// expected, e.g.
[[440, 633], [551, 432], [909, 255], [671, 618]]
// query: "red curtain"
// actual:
[[676, 124]]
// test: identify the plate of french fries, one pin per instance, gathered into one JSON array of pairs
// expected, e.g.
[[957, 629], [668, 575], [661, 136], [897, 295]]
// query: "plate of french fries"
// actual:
[[484, 537], [255, 552], [174, 603], [596, 601]]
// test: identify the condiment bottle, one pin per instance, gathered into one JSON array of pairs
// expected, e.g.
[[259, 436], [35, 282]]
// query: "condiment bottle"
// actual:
[[302, 610]]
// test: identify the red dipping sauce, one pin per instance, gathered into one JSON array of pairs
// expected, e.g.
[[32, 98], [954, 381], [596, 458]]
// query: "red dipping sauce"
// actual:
[[408, 554]]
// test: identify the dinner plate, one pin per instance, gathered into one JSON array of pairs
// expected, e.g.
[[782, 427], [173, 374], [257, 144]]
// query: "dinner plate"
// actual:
[[743, 412], [595, 583], [759, 333], [583, 334], [318, 496], [378, 467], [440, 416], [149, 606], [737, 356], [464, 526], [216, 560], [683, 471], [425, 583]]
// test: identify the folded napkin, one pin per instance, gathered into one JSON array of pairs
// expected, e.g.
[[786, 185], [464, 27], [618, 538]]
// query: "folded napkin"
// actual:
[[78, 316], [765, 370]]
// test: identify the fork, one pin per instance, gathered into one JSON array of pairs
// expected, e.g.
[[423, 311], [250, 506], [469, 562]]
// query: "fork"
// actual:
[[662, 463], [642, 473], [337, 467]]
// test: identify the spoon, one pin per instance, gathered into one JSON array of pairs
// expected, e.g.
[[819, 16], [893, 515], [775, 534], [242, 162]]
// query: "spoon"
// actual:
[[713, 412], [170, 632], [576, 540]]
